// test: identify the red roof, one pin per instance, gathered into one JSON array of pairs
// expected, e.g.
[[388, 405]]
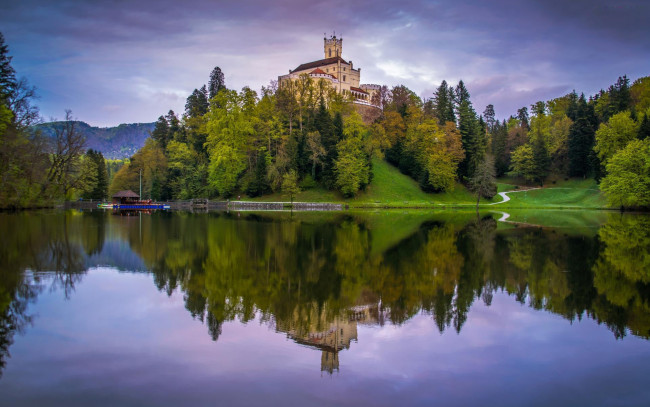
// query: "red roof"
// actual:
[[321, 62], [318, 71], [358, 90]]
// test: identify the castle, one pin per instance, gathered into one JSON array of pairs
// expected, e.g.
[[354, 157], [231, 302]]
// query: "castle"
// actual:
[[338, 72]]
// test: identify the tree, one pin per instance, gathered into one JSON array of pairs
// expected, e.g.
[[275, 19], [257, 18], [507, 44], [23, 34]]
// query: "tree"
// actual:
[[217, 82], [181, 164], [352, 165], [65, 151], [443, 104], [472, 134], [160, 132], [522, 116], [260, 184], [228, 129], [640, 94], [489, 117], [23, 161], [101, 189], [316, 150], [7, 73], [499, 148], [523, 162], [541, 159], [644, 128], [197, 103], [483, 183], [614, 135], [628, 176], [581, 138], [175, 128], [290, 184]]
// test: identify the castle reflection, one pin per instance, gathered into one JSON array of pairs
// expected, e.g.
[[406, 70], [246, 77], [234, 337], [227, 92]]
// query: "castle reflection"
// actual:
[[317, 277]]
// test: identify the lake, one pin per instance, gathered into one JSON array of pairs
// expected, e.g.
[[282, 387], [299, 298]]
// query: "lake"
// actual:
[[348, 308]]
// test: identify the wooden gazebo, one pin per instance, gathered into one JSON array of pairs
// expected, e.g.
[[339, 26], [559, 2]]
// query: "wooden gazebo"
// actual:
[[126, 197]]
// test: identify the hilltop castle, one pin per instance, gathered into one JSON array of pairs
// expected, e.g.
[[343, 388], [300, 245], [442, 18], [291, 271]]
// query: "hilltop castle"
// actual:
[[338, 72]]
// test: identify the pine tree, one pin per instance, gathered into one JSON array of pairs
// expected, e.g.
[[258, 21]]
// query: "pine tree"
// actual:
[[489, 117], [541, 160], [443, 106], [621, 94], [160, 132], [581, 140], [499, 152], [217, 82], [7, 72], [260, 184], [471, 131], [522, 116], [197, 104], [100, 190]]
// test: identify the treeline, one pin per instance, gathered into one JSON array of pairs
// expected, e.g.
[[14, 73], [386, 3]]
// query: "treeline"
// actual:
[[303, 134], [35, 170], [231, 143]]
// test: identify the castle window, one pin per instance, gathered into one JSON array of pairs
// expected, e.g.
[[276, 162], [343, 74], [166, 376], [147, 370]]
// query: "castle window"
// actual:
[[344, 68], [343, 78], [330, 52]]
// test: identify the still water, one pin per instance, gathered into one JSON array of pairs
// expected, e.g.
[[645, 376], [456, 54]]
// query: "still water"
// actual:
[[369, 308]]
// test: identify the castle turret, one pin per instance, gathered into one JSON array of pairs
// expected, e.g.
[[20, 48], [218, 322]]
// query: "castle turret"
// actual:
[[333, 46]]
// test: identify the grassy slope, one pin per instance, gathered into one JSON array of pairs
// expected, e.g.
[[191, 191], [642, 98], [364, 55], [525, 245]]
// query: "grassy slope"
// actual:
[[574, 193], [391, 188]]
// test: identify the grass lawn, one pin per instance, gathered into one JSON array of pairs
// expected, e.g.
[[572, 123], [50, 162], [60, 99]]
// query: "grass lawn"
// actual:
[[391, 188], [574, 193]]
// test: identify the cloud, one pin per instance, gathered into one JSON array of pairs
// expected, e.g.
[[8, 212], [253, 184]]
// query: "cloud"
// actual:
[[148, 56]]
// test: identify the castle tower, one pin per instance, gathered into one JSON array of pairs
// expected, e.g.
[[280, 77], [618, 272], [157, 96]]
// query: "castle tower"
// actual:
[[333, 46]]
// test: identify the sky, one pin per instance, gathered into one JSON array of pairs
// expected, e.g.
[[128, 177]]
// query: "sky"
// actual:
[[120, 61]]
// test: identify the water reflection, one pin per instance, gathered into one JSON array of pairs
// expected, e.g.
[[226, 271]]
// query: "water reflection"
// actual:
[[315, 277]]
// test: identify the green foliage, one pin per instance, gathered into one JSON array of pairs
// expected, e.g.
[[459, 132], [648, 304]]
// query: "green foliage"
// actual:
[[260, 184], [483, 183], [640, 94], [644, 127], [473, 135], [216, 83], [523, 162], [197, 103], [581, 138], [443, 104], [95, 185], [628, 176], [151, 162], [290, 184], [352, 164], [614, 135], [228, 128]]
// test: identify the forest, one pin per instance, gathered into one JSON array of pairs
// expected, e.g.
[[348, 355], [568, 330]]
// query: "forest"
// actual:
[[302, 134]]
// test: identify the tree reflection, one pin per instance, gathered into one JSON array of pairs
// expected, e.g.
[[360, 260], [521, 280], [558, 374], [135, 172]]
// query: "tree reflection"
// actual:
[[315, 277], [50, 246]]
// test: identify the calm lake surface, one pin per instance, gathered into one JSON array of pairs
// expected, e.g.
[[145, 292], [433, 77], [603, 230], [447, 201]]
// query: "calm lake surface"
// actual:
[[346, 308]]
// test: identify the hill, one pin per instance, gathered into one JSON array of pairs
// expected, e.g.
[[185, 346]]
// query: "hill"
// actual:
[[114, 142], [391, 188]]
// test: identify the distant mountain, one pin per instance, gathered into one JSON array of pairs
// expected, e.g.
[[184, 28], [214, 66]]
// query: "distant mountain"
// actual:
[[113, 142]]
